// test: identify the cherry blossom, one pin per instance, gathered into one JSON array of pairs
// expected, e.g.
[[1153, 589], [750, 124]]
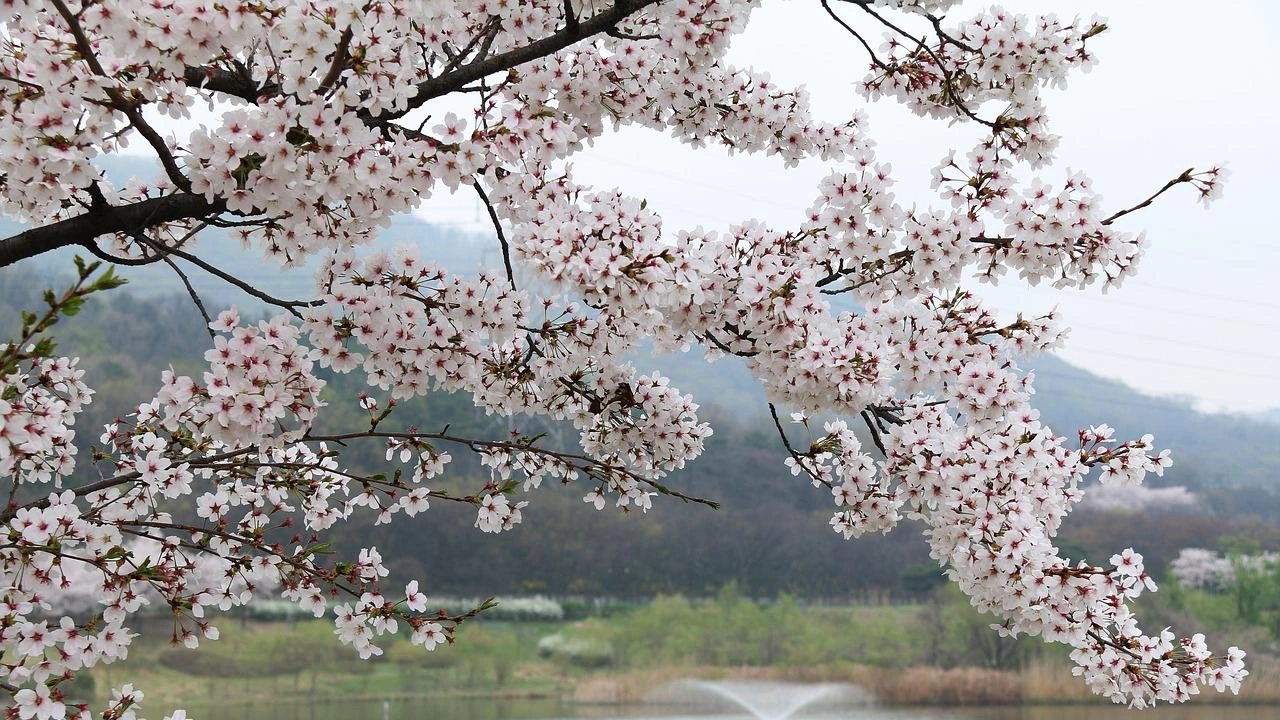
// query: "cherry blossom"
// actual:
[[330, 117]]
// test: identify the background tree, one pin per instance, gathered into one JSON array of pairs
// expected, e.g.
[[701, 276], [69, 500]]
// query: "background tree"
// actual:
[[334, 116]]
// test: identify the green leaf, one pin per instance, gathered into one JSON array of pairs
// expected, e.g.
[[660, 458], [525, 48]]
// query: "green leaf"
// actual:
[[324, 548], [115, 553], [107, 281]]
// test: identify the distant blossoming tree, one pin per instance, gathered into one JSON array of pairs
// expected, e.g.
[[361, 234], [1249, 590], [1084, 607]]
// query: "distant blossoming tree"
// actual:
[[1203, 569], [332, 121], [1199, 568]]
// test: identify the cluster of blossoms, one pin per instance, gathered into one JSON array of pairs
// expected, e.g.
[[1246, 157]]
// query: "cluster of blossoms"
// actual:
[[999, 57], [423, 329], [993, 498], [259, 389], [326, 131], [64, 554], [42, 397]]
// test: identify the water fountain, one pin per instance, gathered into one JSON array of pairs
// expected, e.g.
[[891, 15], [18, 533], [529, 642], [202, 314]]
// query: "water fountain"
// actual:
[[762, 700]]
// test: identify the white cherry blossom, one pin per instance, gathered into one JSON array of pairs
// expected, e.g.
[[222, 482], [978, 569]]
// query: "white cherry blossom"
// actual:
[[861, 314]]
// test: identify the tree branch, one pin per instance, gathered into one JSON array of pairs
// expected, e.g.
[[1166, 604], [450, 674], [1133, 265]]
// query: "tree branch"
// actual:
[[796, 455], [497, 228], [875, 59], [875, 432], [1184, 177], [195, 296], [82, 229], [219, 80], [340, 57], [290, 305], [448, 82], [120, 102], [585, 463]]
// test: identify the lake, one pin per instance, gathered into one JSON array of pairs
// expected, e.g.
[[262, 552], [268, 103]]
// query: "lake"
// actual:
[[453, 709]]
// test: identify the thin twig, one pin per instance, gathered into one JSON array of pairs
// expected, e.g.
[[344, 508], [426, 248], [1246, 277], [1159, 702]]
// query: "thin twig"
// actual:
[[290, 305], [497, 228], [195, 297], [875, 432], [98, 252], [583, 462], [119, 102], [795, 454], [948, 78], [875, 60], [340, 57], [1183, 178]]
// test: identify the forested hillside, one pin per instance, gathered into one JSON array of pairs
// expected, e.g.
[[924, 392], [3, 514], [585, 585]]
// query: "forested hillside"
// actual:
[[771, 533]]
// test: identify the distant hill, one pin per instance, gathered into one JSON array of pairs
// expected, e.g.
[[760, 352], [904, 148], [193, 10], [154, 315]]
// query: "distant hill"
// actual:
[[1268, 416], [771, 533], [1210, 450]]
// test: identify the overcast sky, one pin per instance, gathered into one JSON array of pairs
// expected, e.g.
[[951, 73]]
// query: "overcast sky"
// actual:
[[1179, 84]]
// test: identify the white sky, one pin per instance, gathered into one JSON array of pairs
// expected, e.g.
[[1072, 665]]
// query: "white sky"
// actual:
[[1179, 84]]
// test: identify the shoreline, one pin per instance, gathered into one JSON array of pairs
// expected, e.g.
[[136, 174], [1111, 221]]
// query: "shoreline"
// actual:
[[1037, 685]]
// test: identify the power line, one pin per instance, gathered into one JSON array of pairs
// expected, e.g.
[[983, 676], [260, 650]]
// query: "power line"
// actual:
[[1177, 341], [1212, 296], [1172, 363], [1176, 311]]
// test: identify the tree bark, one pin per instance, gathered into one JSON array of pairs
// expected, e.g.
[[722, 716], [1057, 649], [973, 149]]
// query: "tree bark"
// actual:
[[83, 229]]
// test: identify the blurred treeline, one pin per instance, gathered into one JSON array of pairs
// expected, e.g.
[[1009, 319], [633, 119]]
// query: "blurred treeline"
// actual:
[[771, 534], [936, 650]]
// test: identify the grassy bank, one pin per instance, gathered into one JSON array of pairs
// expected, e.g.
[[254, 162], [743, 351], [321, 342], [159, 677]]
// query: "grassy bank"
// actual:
[[938, 652]]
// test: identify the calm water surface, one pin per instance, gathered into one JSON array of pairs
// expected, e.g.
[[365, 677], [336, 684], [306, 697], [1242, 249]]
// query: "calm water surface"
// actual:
[[555, 710]]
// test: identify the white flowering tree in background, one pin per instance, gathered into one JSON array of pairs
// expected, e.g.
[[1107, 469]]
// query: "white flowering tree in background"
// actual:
[[331, 120], [1199, 568]]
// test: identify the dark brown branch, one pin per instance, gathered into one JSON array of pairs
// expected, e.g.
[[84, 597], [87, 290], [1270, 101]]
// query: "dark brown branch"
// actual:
[[950, 94], [195, 297], [1183, 178], [570, 17], [875, 60], [449, 82], [875, 432], [38, 89], [116, 259], [795, 454], [116, 480], [583, 462], [120, 102], [83, 229], [614, 32], [290, 305], [497, 228], [224, 81], [340, 57], [936, 21], [486, 35]]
